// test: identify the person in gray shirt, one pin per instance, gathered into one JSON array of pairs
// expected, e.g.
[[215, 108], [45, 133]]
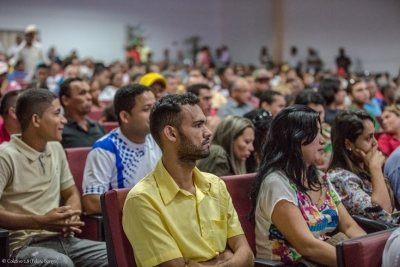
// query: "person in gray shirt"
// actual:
[[238, 102]]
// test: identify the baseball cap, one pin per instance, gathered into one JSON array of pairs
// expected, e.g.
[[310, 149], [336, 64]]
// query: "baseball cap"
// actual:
[[3, 67], [30, 28], [152, 77], [260, 74]]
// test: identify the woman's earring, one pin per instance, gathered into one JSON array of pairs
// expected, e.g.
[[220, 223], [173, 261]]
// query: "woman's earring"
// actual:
[[349, 149]]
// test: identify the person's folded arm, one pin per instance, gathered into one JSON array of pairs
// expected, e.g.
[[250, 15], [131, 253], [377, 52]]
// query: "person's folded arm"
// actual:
[[97, 175], [290, 222], [347, 224]]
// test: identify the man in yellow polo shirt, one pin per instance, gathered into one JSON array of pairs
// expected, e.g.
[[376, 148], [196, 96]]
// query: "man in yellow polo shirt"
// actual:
[[177, 215]]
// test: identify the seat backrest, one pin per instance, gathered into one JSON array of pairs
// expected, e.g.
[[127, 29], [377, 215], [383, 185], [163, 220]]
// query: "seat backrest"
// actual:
[[110, 125], [364, 251], [77, 159], [95, 115], [239, 187], [119, 249]]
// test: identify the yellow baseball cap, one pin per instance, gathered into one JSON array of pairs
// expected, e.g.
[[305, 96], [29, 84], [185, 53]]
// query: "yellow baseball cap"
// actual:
[[152, 77]]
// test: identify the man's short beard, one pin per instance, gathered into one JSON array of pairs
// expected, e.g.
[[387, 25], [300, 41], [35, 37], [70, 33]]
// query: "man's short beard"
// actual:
[[188, 151]]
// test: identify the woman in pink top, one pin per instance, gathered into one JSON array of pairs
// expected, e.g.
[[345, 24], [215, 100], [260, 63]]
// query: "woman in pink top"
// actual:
[[390, 140]]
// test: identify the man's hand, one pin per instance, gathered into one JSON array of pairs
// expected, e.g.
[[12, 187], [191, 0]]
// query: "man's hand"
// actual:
[[61, 219], [223, 257], [70, 231]]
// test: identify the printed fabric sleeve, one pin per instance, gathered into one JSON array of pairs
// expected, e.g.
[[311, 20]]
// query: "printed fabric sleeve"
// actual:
[[98, 172], [357, 201]]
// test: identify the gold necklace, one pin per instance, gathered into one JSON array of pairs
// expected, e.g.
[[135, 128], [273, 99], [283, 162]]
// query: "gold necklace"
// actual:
[[320, 197]]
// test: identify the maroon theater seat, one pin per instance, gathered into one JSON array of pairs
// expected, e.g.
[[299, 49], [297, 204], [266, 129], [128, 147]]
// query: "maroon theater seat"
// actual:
[[119, 249], [239, 187], [95, 115], [110, 125], [363, 251], [93, 228]]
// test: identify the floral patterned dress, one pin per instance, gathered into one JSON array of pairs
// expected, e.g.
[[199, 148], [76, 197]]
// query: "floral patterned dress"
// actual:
[[356, 195], [270, 243]]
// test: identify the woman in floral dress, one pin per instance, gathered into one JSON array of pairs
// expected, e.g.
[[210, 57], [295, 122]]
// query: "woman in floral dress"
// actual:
[[295, 207], [356, 167]]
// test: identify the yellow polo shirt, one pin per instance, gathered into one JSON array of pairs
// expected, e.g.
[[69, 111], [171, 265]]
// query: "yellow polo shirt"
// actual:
[[164, 222], [31, 181]]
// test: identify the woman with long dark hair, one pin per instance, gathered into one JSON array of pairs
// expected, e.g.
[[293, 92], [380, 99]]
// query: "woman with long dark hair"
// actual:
[[356, 167], [295, 207]]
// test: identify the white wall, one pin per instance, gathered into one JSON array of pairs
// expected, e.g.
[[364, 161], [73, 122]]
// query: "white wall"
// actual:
[[246, 27], [368, 29], [97, 28]]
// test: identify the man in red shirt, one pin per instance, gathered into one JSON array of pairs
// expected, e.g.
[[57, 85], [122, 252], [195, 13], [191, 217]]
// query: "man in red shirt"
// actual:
[[9, 124]]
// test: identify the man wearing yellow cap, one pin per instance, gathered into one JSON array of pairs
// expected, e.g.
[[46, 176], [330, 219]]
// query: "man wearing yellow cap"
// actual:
[[156, 82]]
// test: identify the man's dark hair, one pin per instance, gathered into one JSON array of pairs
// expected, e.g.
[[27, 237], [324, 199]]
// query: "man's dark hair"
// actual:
[[202, 72], [268, 96], [98, 69], [31, 102], [109, 114], [65, 87], [167, 111], [309, 96], [385, 87], [125, 98], [195, 88], [221, 70], [8, 101], [37, 85], [328, 87], [42, 66]]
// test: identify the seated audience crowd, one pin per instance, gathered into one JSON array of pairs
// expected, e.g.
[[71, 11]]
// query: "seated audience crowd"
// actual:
[[178, 126]]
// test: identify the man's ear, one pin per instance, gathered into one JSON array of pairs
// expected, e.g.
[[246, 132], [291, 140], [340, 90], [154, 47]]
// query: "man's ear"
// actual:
[[170, 133], [36, 120], [265, 105], [64, 100], [124, 116], [11, 113]]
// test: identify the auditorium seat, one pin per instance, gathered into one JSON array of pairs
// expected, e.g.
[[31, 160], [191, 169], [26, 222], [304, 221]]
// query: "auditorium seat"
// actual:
[[93, 228], [239, 187], [363, 251], [95, 115], [119, 249], [110, 125]]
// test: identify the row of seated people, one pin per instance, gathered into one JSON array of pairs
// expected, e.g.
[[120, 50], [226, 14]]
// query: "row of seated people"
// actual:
[[319, 149], [128, 115]]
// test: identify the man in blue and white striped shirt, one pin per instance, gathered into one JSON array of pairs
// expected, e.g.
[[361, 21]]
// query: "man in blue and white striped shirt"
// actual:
[[127, 154]]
